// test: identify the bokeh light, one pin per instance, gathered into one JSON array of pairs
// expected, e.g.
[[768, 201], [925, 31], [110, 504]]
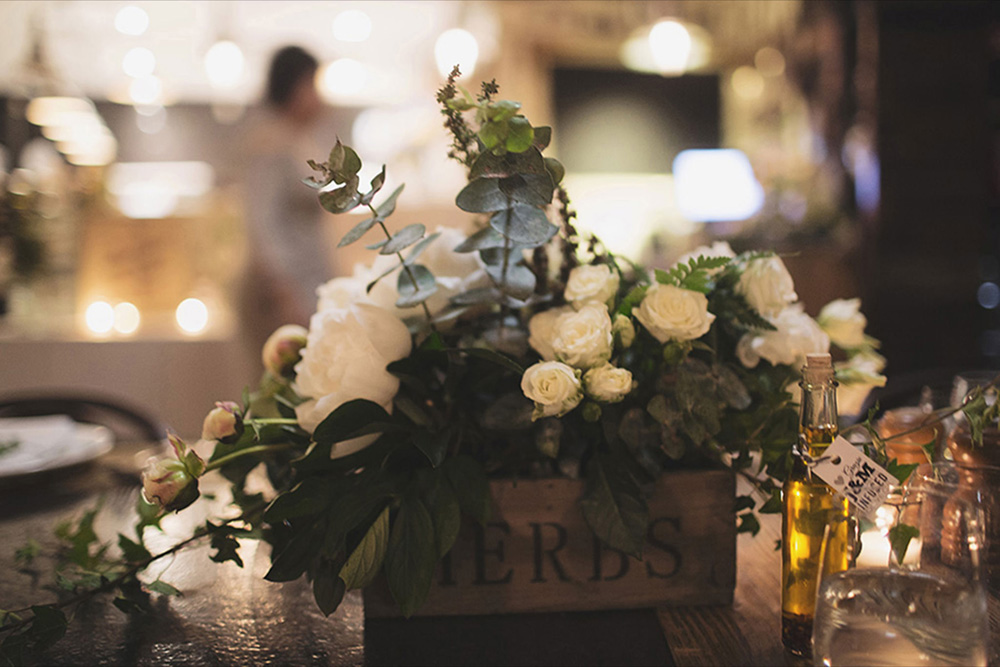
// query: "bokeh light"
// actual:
[[192, 315]]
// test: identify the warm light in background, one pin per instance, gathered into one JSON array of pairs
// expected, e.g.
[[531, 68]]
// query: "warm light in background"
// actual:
[[150, 119], [747, 82], [131, 20], [50, 110], [147, 90], [769, 62], [192, 316], [456, 47], [670, 43], [716, 185], [148, 190], [342, 78], [224, 64], [139, 62], [352, 26], [126, 318], [100, 317]]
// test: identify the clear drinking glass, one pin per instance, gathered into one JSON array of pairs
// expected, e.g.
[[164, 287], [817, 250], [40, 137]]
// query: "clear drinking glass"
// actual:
[[921, 596]]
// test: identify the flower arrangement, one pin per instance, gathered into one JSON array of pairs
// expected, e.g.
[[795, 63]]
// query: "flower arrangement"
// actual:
[[524, 349]]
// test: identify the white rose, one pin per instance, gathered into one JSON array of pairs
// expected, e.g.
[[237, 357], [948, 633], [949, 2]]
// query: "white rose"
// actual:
[[844, 323], [343, 291], [542, 331], [591, 283], [795, 335], [624, 329], [553, 386], [673, 313], [767, 286], [583, 338], [454, 273], [857, 377], [345, 358], [717, 249], [607, 383]]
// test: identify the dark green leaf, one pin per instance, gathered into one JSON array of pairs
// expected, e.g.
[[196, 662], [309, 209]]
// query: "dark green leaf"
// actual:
[[227, 548], [352, 419], [365, 562], [328, 588], [47, 627], [433, 445], [411, 556], [163, 588], [492, 356], [445, 513], [411, 294], [899, 539], [525, 225], [293, 559], [543, 137], [468, 479], [403, 239], [748, 524], [310, 496], [556, 169], [613, 506], [773, 504], [12, 649], [632, 299], [901, 471], [743, 503], [133, 551]]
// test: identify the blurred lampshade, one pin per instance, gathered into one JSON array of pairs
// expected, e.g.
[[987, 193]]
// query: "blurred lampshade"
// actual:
[[224, 64], [456, 47], [716, 185]]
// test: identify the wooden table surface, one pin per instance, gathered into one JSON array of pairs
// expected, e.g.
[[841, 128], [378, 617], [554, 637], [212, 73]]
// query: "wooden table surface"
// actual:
[[232, 616]]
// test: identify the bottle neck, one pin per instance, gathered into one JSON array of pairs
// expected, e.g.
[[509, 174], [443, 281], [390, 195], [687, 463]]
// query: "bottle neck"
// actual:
[[818, 416]]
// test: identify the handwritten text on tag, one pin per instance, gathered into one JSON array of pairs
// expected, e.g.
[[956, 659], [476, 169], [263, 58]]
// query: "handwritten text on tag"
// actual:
[[854, 476]]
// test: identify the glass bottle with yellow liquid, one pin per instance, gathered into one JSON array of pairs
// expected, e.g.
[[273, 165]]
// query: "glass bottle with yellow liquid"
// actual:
[[815, 523]]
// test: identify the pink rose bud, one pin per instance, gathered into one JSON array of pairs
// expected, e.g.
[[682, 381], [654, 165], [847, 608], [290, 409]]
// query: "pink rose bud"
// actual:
[[167, 483], [224, 423], [283, 350]]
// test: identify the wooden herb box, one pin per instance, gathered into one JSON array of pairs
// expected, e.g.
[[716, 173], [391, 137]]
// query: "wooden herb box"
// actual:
[[537, 554]]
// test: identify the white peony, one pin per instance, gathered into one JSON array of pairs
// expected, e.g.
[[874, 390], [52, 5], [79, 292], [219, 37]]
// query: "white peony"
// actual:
[[607, 383], [343, 291], [673, 313], [345, 358], [795, 335], [844, 323], [553, 386], [591, 283], [583, 338], [767, 286], [454, 273], [717, 249], [542, 331]]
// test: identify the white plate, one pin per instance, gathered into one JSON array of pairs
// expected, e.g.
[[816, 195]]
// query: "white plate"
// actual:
[[49, 443]]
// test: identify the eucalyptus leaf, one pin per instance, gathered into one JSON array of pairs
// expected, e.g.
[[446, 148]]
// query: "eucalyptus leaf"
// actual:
[[356, 232], [485, 238], [543, 137], [556, 169], [482, 195], [415, 285], [403, 239], [411, 556], [518, 280], [376, 185], [365, 561], [613, 506], [477, 296], [525, 225], [386, 272], [520, 135], [419, 249], [342, 199]]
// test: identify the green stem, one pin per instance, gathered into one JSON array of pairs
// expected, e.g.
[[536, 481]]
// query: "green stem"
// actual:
[[223, 460], [273, 420], [406, 268]]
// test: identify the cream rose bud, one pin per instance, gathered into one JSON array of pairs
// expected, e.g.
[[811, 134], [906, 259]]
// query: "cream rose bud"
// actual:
[[553, 386], [167, 484], [607, 383], [673, 313], [767, 286], [623, 328], [844, 323], [542, 331], [346, 358], [283, 348], [591, 282], [583, 338], [224, 423]]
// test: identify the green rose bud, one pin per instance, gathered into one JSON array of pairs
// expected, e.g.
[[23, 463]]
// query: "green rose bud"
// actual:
[[167, 483], [591, 412], [674, 352], [624, 330]]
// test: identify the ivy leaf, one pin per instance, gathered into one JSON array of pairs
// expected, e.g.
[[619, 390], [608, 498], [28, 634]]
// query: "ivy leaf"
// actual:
[[899, 539], [748, 524], [28, 552], [133, 551], [227, 548], [411, 294], [901, 471], [468, 479], [47, 626], [773, 504], [328, 588], [403, 239], [366, 560], [163, 588], [613, 506], [411, 555]]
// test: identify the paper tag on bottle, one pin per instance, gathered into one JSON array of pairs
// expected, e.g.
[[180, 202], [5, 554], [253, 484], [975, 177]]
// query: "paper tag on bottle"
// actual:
[[854, 476]]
